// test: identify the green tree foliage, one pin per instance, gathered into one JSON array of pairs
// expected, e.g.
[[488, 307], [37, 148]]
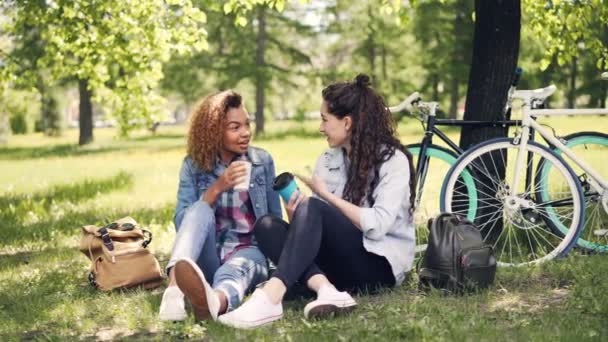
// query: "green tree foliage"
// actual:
[[374, 38], [116, 46], [446, 34], [569, 26], [230, 60]]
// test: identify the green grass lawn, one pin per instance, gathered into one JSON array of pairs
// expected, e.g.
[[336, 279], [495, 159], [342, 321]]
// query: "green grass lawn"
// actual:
[[50, 187]]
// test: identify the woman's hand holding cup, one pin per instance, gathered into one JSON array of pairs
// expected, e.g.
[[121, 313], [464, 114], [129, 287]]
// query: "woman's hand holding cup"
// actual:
[[296, 198], [237, 173]]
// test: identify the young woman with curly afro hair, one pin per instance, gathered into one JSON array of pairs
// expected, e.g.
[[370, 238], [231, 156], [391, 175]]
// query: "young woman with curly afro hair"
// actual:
[[215, 260]]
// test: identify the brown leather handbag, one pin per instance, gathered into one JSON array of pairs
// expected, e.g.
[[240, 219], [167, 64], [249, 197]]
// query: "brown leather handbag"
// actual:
[[119, 256]]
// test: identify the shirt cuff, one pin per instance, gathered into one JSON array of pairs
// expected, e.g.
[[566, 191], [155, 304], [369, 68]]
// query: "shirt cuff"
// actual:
[[369, 223]]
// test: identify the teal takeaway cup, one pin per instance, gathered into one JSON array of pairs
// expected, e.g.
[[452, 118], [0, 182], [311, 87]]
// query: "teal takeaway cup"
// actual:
[[285, 185]]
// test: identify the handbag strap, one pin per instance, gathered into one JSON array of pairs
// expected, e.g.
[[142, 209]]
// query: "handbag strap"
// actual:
[[147, 238]]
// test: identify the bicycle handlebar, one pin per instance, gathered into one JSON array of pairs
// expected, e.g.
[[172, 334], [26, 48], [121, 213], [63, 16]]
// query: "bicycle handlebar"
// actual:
[[406, 104]]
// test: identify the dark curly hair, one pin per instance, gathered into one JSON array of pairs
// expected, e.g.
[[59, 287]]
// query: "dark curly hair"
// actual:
[[207, 127], [373, 136]]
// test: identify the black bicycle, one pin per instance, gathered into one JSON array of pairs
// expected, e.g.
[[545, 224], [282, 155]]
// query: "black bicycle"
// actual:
[[433, 161]]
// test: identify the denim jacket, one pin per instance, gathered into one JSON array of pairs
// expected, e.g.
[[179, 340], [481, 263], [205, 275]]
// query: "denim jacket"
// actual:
[[388, 228], [193, 182]]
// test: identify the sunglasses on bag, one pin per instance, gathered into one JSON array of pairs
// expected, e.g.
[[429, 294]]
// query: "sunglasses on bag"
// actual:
[[125, 227]]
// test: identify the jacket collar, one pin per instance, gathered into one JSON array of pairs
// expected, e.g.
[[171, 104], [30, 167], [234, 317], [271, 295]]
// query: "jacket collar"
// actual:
[[335, 157], [254, 156]]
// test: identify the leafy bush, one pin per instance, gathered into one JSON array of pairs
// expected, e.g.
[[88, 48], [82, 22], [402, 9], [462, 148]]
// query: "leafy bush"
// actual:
[[18, 123]]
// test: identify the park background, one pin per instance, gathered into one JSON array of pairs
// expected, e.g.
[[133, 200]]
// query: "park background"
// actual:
[[94, 98]]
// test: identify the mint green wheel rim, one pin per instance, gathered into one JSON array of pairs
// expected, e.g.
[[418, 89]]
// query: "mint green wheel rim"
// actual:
[[580, 140], [468, 179]]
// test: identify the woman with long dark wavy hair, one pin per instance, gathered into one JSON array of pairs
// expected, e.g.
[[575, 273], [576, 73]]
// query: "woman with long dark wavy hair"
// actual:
[[356, 233]]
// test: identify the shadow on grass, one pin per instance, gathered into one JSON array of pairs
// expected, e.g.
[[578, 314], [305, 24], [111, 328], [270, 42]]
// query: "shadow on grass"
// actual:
[[18, 153], [64, 150], [70, 192], [159, 137], [52, 211], [40, 283]]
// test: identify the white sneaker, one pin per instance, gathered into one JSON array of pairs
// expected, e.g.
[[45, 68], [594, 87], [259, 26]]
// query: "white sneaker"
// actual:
[[192, 282], [255, 312], [329, 301], [172, 306]]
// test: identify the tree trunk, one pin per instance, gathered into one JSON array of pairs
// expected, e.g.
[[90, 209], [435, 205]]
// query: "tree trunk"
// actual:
[[604, 90], [495, 51], [458, 56], [572, 84], [604, 86], [86, 113], [371, 47], [435, 85], [384, 67], [44, 113], [260, 82], [454, 96]]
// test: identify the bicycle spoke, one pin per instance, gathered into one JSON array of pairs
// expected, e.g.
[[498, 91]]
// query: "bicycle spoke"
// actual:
[[519, 230]]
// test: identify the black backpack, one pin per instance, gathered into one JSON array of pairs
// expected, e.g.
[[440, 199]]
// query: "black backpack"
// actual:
[[456, 258]]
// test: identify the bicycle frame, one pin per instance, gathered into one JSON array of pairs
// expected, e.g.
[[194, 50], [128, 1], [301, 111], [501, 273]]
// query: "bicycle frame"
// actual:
[[431, 130], [528, 124]]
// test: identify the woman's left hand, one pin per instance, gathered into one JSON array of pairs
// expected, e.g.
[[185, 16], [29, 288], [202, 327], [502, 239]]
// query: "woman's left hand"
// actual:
[[316, 184]]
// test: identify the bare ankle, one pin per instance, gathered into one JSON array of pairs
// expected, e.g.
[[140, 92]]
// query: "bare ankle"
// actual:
[[275, 290], [223, 301]]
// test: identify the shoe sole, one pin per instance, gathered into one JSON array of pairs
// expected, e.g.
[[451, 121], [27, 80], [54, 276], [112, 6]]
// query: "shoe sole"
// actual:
[[253, 325], [172, 318], [189, 282], [326, 310]]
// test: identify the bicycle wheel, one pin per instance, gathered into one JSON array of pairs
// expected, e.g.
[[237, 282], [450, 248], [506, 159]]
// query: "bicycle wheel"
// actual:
[[429, 180], [514, 220], [591, 147]]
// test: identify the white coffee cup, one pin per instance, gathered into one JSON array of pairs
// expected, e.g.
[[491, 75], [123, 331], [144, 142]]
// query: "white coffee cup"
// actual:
[[243, 185]]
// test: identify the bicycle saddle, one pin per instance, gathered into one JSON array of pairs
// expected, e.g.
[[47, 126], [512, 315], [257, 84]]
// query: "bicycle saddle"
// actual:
[[536, 94]]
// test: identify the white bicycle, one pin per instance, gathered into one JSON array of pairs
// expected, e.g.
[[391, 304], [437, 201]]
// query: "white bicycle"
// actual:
[[530, 204]]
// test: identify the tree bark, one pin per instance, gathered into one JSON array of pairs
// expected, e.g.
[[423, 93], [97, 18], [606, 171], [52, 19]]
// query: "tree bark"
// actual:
[[86, 113], [604, 84], [572, 83], [260, 82], [604, 89], [371, 46], [458, 56], [495, 52], [435, 85], [454, 96]]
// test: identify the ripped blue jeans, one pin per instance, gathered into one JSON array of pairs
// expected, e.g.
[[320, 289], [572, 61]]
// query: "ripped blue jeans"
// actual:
[[237, 275]]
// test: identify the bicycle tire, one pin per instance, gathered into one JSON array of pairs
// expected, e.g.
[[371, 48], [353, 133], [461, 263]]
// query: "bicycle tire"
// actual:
[[594, 235], [520, 214]]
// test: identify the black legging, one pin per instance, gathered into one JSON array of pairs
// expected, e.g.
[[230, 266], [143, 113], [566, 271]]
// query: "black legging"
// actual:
[[321, 240]]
